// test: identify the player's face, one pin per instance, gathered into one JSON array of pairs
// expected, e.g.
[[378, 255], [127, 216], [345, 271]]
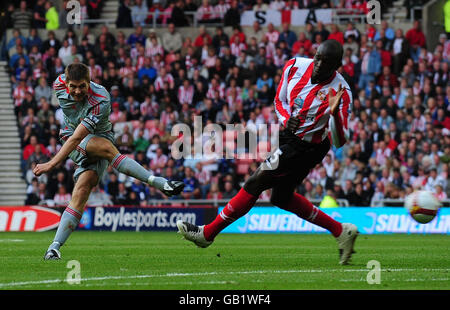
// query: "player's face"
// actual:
[[324, 66], [325, 63], [78, 90]]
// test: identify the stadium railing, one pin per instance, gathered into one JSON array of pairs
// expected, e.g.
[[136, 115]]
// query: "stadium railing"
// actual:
[[223, 202], [197, 202], [401, 202], [338, 17]]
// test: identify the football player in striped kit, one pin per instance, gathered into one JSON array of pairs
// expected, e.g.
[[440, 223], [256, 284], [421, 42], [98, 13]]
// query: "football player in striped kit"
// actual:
[[313, 102], [88, 140]]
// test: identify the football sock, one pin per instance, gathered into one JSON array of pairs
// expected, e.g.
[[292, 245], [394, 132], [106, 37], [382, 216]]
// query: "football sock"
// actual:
[[306, 210], [68, 223], [237, 207], [131, 168]]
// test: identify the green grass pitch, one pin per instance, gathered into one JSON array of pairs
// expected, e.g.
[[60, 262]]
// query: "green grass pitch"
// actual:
[[164, 261]]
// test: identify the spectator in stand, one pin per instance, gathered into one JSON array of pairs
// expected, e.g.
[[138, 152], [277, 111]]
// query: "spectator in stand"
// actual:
[[124, 141], [51, 17], [260, 6], [388, 76], [98, 198], [351, 31], [287, 36], [229, 191], [322, 31], [124, 19], [172, 40], [19, 94], [20, 53], [206, 13], [202, 38], [302, 42], [233, 15], [336, 34], [416, 40], [159, 161], [22, 17], [214, 192], [178, 17], [272, 34], [370, 66], [136, 37], [62, 198], [39, 10], [43, 194], [220, 9], [31, 148], [112, 186], [192, 186], [138, 11], [37, 157], [122, 195]]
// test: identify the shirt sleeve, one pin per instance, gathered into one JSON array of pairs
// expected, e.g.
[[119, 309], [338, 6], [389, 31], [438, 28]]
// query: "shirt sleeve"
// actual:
[[282, 107], [338, 124], [59, 86]]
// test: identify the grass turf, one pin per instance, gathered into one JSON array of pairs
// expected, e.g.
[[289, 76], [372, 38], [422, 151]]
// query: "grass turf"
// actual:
[[163, 261]]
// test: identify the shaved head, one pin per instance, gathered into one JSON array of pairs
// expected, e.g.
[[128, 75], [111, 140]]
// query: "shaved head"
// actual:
[[327, 60]]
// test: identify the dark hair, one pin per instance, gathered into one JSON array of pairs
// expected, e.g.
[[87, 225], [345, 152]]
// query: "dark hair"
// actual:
[[77, 72]]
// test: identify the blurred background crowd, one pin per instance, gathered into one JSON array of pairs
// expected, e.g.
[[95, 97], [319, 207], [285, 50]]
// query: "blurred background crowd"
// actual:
[[400, 120]]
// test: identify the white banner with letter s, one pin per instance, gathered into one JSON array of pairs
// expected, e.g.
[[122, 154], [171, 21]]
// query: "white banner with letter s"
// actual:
[[293, 17]]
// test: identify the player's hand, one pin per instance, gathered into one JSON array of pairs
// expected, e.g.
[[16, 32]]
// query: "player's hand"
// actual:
[[335, 101], [42, 168], [293, 123]]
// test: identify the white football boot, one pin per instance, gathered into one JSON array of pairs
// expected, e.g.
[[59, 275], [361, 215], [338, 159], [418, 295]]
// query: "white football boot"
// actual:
[[52, 254], [346, 241], [193, 233]]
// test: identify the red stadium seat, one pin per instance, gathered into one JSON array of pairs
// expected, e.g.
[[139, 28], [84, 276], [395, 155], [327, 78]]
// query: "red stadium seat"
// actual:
[[150, 124], [266, 111], [135, 124], [263, 150], [242, 167]]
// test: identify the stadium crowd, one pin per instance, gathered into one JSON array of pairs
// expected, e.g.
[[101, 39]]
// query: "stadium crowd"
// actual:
[[400, 120]]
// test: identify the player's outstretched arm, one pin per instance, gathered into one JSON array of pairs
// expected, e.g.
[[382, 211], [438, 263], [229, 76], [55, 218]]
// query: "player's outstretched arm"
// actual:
[[80, 133], [339, 131]]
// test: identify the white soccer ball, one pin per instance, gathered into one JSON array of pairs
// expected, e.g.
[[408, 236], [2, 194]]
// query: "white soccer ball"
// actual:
[[422, 206]]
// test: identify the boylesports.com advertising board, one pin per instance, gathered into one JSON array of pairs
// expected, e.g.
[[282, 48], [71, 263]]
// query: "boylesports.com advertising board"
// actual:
[[37, 218], [258, 220]]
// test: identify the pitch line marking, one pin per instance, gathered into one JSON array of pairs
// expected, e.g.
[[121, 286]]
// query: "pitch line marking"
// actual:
[[170, 275]]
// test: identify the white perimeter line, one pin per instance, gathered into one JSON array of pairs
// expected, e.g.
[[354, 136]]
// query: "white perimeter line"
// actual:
[[171, 275], [402, 280]]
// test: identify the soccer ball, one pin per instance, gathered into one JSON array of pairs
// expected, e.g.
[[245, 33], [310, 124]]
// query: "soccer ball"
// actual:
[[422, 206]]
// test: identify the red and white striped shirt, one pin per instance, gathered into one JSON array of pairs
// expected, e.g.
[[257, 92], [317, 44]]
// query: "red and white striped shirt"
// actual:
[[315, 122], [237, 48], [221, 9], [211, 93], [206, 12], [185, 95], [160, 80]]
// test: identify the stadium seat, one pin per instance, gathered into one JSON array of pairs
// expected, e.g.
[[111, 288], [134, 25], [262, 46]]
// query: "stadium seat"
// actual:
[[242, 166], [135, 124], [266, 111], [150, 124], [263, 150]]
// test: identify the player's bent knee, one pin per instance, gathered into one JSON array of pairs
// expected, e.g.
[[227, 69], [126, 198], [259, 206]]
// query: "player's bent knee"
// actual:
[[102, 148]]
